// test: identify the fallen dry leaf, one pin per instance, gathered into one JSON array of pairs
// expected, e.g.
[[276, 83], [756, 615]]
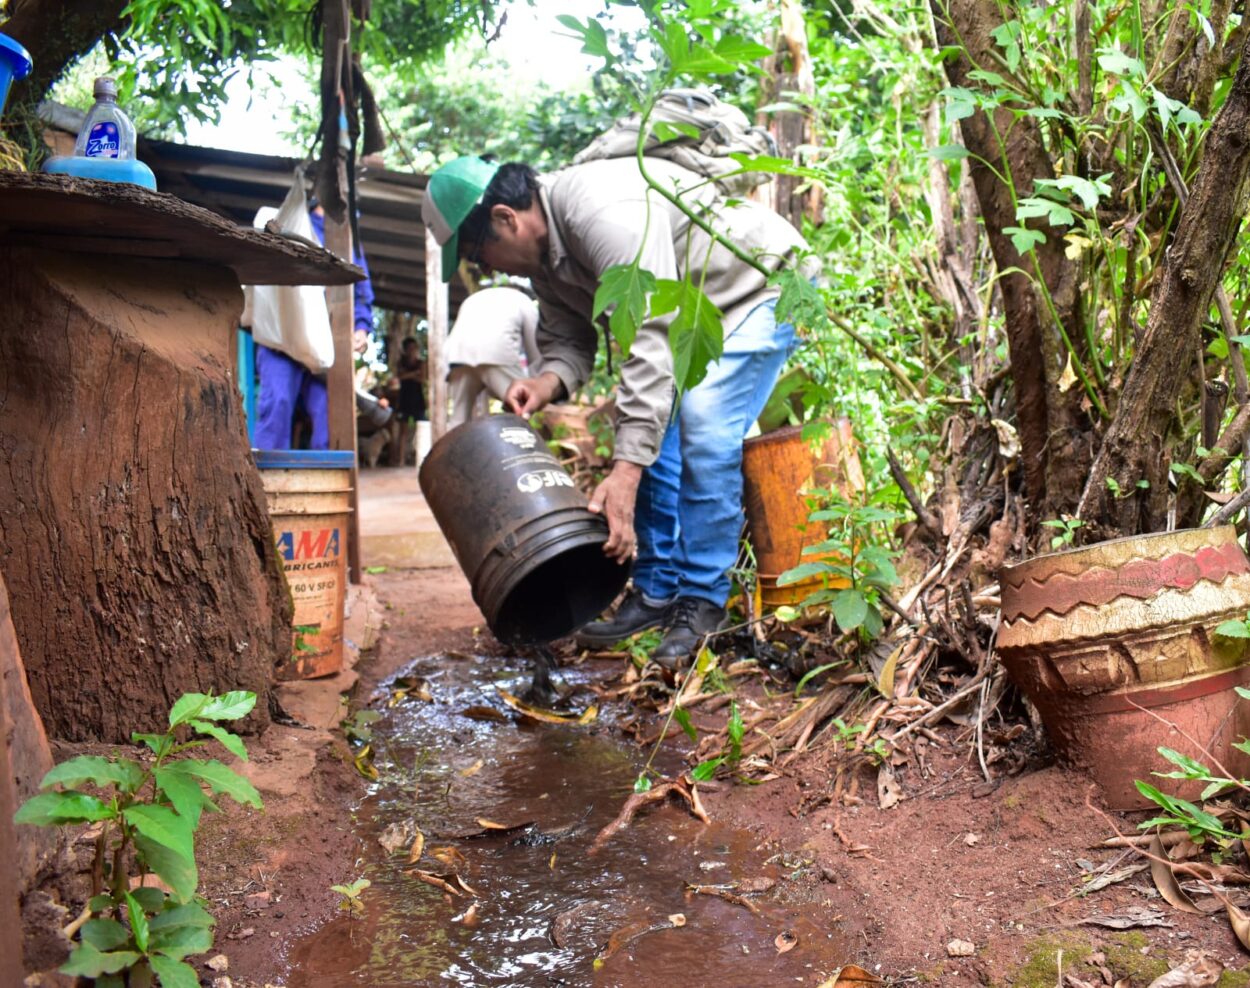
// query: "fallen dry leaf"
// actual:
[[437, 881], [1165, 881], [889, 792], [472, 770], [677, 919], [491, 824], [547, 716], [960, 948], [418, 847], [784, 941], [449, 856], [656, 794], [1132, 917], [1240, 923], [631, 932], [469, 917], [1198, 971], [395, 836]]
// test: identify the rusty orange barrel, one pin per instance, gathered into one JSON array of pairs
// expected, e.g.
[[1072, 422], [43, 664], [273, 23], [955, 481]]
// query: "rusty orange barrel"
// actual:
[[1111, 641], [309, 496], [779, 470]]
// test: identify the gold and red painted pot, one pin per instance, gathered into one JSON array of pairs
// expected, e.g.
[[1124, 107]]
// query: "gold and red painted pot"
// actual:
[[1114, 644]]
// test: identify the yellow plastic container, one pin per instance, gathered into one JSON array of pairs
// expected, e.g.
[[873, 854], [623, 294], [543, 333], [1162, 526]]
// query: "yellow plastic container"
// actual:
[[309, 495]]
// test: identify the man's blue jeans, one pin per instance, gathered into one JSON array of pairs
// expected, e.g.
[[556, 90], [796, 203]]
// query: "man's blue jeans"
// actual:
[[286, 384], [689, 510]]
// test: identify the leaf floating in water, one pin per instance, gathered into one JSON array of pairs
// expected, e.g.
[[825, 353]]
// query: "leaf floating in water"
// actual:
[[449, 856], [551, 865], [469, 917], [418, 848], [438, 881], [364, 763], [491, 824], [406, 687], [677, 919], [480, 712], [395, 836], [784, 941], [628, 934], [472, 770], [587, 716]]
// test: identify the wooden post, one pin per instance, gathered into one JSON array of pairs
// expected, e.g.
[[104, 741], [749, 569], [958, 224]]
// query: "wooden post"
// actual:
[[437, 306], [341, 382]]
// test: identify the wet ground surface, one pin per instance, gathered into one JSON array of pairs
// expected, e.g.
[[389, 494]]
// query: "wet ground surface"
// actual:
[[536, 908]]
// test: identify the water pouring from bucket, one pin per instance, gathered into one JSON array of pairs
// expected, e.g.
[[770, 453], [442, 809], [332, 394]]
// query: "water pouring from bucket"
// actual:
[[521, 531]]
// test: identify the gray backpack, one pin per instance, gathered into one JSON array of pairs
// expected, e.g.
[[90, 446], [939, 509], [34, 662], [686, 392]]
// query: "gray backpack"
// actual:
[[722, 130]]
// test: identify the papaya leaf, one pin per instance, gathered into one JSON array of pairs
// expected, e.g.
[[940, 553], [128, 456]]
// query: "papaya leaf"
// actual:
[[696, 334], [626, 288]]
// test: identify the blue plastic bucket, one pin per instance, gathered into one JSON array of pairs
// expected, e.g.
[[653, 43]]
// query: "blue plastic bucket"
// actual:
[[15, 63]]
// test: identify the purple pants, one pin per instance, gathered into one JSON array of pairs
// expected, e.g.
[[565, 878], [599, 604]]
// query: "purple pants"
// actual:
[[285, 386]]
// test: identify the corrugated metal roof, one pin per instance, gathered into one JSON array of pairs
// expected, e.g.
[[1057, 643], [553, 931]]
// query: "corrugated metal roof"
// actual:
[[236, 184]]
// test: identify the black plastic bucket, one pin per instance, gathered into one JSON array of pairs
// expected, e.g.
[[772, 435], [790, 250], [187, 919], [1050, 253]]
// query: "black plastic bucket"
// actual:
[[520, 530]]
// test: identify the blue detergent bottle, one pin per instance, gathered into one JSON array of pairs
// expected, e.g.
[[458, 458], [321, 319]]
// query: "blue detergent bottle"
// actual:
[[105, 148]]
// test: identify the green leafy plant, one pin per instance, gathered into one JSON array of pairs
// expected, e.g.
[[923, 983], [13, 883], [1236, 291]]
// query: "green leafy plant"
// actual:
[[349, 896], [854, 568], [1200, 824], [1066, 530], [1234, 628], [150, 812], [730, 755]]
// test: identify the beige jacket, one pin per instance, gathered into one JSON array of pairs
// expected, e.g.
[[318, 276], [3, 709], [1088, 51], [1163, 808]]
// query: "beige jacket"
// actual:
[[596, 218]]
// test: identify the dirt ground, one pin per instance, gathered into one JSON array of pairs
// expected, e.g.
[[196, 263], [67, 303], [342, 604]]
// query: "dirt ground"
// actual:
[[996, 867]]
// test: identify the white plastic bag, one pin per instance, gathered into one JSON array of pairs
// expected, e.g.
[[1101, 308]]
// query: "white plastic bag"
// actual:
[[292, 318]]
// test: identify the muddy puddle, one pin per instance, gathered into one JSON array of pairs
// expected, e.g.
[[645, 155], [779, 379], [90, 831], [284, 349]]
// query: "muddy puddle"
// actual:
[[535, 908]]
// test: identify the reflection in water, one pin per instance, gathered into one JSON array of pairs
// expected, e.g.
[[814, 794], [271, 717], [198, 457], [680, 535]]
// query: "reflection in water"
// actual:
[[544, 908]]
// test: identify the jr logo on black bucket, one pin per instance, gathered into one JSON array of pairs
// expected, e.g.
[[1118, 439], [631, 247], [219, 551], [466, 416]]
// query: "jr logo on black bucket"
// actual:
[[528, 483]]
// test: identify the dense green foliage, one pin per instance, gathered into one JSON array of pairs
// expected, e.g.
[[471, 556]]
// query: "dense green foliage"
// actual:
[[148, 812]]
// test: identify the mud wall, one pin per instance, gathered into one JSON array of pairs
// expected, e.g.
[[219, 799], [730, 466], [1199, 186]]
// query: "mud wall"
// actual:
[[133, 532]]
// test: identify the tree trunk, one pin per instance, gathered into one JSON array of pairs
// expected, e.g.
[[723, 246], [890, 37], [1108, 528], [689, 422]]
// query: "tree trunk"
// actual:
[[792, 73], [1135, 447], [135, 539], [55, 32], [1053, 427]]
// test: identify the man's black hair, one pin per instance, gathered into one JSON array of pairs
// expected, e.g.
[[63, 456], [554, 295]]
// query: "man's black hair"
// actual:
[[514, 185]]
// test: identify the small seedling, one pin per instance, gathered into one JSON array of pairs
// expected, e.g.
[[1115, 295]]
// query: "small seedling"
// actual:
[[359, 727], [349, 897], [1066, 530]]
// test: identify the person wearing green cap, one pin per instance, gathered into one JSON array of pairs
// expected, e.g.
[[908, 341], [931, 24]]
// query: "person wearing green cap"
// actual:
[[673, 496]]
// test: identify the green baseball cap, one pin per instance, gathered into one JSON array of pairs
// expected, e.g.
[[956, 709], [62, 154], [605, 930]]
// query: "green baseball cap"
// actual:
[[450, 195]]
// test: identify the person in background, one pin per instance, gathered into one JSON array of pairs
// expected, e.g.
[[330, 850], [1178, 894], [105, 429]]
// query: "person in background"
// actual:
[[410, 372], [288, 387], [494, 333], [684, 480]]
